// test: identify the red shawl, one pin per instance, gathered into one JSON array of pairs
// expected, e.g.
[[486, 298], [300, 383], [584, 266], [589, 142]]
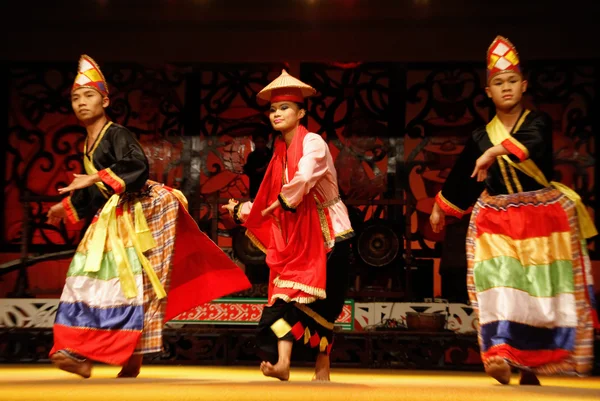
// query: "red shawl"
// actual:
[[294, 242]]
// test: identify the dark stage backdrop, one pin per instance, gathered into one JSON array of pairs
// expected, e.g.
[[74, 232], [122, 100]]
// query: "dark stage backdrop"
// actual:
[[394, 130]]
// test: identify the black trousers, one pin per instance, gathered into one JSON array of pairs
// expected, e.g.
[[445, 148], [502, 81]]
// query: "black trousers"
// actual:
[[327, 309]]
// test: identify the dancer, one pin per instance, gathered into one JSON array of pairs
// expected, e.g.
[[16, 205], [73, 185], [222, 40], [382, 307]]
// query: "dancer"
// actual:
[[141, 246], [529, 274], [300, 222]]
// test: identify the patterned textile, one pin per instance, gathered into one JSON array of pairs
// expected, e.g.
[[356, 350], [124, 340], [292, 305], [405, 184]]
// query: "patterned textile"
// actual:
[[95, 319], [161, 210], [529, 280]]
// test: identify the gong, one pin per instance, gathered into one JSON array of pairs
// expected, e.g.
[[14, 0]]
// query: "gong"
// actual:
[[378, 244], [245, 250]]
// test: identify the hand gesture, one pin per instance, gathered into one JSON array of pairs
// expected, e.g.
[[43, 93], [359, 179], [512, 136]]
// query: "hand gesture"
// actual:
[[79, 182], [56, 214]]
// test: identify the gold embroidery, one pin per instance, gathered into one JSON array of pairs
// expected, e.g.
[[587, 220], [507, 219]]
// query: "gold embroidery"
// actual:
[[256, 241], [329, 242], [329, 203]]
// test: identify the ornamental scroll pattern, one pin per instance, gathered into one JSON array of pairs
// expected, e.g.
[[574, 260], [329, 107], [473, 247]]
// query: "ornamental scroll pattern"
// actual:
[[45, 140]]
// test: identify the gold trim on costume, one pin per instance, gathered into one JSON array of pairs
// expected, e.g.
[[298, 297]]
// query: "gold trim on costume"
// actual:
[[345, 234], [315, 316], [88, 160], [256, 241], [330, 202], [73, 210], [450, 204], [238, 215], [498, 133], [318, 292], [118, 179], [288, 299], [509, 187], [518, 127], [329, 240], [95, 145], [515, 178], [286, 202]]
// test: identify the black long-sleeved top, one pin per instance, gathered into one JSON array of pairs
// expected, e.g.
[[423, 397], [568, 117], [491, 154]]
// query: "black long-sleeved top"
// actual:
[[460, 191], [121, 164]]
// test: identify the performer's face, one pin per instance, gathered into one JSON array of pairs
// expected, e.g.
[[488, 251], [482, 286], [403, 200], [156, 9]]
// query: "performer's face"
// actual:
[[285, 116], [88, 104], [506, 90]]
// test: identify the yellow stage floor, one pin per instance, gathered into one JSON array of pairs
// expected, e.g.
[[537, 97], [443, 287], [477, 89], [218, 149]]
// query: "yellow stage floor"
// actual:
[[39, 382]]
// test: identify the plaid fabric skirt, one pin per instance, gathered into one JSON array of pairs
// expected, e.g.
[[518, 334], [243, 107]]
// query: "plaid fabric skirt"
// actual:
[[95, 319], [529, 279]]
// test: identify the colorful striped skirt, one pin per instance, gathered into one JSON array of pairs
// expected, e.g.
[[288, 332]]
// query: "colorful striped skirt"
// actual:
[[95, 319], [529, 280]]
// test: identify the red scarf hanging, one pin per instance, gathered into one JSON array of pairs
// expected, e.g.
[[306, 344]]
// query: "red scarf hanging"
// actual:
[[294, 242]]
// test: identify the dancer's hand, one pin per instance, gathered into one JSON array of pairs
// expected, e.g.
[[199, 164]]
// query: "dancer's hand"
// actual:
[[269, 211], [482, 165], [437, 218], [230, 206], [56, 214], [79, 182]]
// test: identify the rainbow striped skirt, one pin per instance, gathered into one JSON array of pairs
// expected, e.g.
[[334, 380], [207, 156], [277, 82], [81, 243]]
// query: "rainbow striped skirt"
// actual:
[[529, 279]]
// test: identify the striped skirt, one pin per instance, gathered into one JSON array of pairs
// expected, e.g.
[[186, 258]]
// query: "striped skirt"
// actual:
[[95, 319], [529, 280]]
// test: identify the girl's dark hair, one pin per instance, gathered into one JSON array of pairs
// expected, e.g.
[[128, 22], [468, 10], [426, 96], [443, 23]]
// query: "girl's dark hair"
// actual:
[[304, 120]]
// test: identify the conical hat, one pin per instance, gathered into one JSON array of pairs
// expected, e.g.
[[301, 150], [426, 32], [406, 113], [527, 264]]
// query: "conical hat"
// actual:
[[90, 76], [286, 87], [502, 57]]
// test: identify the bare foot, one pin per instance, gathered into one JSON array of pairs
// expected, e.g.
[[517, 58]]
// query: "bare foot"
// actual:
[[279, 371], [132, 368], [498, 368], [322, 368], [68, 364], [529, 379]]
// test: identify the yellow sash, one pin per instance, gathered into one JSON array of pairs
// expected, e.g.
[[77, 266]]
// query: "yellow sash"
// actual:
[[498, 133], [106, 228]]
